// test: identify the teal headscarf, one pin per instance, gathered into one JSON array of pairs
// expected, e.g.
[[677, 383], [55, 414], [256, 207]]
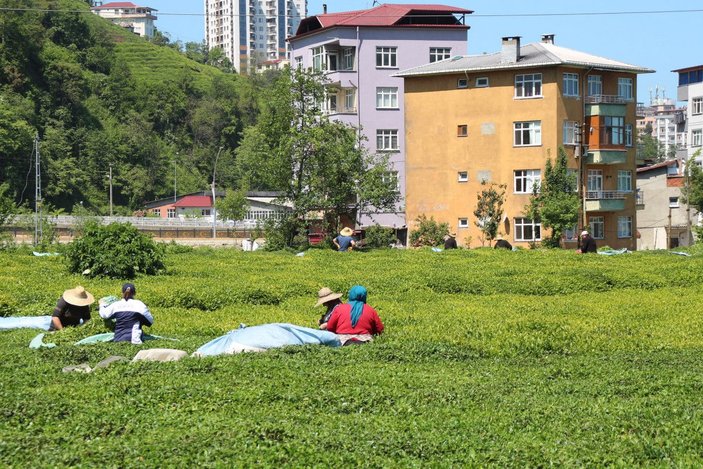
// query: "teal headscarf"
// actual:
[[357, 299]]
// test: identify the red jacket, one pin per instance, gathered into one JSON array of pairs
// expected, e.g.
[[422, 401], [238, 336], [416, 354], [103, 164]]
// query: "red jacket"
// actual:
[[340, 321]]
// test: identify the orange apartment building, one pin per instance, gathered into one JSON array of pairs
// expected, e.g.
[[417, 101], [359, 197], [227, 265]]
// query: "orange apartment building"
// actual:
[[499, 117]]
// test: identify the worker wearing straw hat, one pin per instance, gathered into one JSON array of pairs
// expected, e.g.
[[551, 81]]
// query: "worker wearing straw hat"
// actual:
[[72, 308], [344, 242], [330, 300]]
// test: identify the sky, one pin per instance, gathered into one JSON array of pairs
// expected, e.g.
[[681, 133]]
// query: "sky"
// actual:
[[663, 41]]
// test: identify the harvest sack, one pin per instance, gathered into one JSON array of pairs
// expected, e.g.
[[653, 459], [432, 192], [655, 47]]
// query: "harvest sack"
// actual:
[[159, 355], [25, 322], [264, 337]]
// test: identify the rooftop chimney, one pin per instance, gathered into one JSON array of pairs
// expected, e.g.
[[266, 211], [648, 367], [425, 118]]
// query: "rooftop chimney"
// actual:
[[548, 38], [324, 8], [510, 52]]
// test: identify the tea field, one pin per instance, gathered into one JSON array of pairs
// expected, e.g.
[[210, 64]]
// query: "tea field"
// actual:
[[528, 358]]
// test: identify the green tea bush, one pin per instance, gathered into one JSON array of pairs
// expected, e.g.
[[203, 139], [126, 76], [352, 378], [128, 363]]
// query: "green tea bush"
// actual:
[[117, 250]]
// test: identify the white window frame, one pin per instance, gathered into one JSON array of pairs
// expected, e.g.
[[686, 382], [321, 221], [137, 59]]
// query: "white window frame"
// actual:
[[521, 223], [628, 135], [569, 133], [157, 212], [462, 83], [697, 105], [571, 85], [349, 100], [624, 180], [624, 227], [674, 202], [440, 53], [595, 85], [347, 58], [387, 97], [697, 137], [318, 58], [524, 180], [392, 177], [387, 140], [386, 57], [462, 176], [625, 90], [531, 129], [205, 212], [528, 86], [171, 213], [597, 225], [482, 82], [463, 223]]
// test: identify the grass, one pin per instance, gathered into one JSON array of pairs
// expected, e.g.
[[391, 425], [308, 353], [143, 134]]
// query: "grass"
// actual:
[[490, 358]]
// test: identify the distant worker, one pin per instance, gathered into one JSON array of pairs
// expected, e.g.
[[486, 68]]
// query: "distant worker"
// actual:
[[330, 300], [502, 244], [450, 241], [72, 308], [129, 315], [355, 322], [344, 242], [588, 244]]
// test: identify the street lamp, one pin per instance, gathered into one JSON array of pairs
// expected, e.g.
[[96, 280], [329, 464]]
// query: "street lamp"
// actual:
[[214, 210]]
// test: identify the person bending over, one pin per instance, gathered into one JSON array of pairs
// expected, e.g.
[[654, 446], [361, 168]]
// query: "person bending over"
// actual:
[[72, 307], [355, 322], [129, 315]]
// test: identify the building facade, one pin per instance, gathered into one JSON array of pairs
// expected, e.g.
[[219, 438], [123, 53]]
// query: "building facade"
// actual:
[[691, 90], [497, 118], [360, 51], [252, 32], [666, 123], [139, 20]]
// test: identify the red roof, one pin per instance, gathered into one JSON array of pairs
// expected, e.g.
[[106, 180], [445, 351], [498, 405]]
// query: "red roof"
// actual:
[[112, 5], [194, 201], [657, 166]]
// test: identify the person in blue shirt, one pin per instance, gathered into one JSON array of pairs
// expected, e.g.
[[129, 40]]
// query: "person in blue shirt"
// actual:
[[129, 315], [344, 242]]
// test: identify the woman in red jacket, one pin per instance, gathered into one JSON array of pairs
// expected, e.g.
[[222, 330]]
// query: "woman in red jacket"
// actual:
[[355, 321]]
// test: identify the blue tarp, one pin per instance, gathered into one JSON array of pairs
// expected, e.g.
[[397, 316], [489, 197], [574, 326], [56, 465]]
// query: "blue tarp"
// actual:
[[266, 336], [614, 252], [25, 322]]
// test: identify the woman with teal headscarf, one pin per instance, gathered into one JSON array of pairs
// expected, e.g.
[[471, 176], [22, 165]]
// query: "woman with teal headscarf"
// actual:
[[355, 321]]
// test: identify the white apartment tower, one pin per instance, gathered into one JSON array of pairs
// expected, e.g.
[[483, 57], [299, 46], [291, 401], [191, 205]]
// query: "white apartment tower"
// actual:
[[252, 33]]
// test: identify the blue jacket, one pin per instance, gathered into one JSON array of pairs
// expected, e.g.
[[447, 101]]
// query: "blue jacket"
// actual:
[[130, 316]]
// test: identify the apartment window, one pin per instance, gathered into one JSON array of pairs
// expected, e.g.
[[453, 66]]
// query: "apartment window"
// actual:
[[386, 140], [386, 57], [439, 53], [527, 133], [299, 63], [697, 105], [597, 227], [526, 180], [462, 130], [570, 136], [571, 84], [391, 178], [318, 55], [349, 100], [527, 230], [624, 227], [348, 58], [482, 82], [157, 212], [331, 103], [171, 213], [673, 202], [387, 98], [528, 86], [331, 61], [463, 176], [625, 88], [612, 130], [462, 83], [595, 85], [463, 222], [625, 181], [697, 138], [628, 135]]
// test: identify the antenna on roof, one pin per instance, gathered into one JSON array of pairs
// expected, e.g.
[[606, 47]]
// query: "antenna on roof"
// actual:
[[375, 2]]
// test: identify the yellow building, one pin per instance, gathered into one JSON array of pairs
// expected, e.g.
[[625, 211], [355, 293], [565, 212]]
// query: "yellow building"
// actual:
[[499, 117]]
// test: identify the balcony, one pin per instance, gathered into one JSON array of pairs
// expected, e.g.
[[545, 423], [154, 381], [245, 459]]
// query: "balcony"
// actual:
[[607, 99], [605, 201], [606, 157]]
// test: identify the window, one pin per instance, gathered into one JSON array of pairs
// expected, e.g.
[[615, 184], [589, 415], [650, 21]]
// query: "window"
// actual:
[[628, 135], [625, 88], [331, 104], [528, 86], [386, 57], [157, 212], [597, 227], [570, 234], [526, 180], [672, 170], [387, 98], [317, 58], [694, 76], [463, 222], [462, 130], [205, 212], [348, 58], [527, 230], [625, 181], [482, 82], [594, 182], [462, 83], [697, 105], [571, 84], [527, 133], [697, 138], [439, 53], [571, 136], [331, 60], [386, 140], [595, 85], [612, 130], [171, 213], [624, 227], [349, 100], [391, 178], [299, 62], [463, 176], [673, 202]]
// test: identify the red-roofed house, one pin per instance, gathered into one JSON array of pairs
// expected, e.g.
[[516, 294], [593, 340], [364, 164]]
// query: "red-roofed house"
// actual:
[[139, 20]]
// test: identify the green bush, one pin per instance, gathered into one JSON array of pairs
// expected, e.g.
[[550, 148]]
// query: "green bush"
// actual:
[[117, 250], [379, 237], [428, 232]]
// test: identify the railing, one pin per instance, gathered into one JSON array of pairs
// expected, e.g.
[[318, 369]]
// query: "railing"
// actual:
[[607, 99], [155, 222], [600, 195], [639, 197]]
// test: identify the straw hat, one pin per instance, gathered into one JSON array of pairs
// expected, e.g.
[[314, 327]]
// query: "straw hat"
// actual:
[[346, 231], [325, 295], [78, 297]]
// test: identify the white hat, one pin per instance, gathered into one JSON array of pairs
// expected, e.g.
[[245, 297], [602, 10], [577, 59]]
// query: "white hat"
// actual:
[[584, 233], [325, 295], [78, 297]]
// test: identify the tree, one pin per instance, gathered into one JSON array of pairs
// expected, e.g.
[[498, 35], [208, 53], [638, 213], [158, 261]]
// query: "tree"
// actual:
[[693, 189], [555, 201], [650, 149], [428, 232], [489, 209], [318, 164], [233, 206]]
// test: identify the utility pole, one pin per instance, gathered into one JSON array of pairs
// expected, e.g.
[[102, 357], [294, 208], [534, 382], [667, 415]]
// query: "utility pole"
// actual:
[[668, 233], [110, 189], [214, 210], [37, 193]]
